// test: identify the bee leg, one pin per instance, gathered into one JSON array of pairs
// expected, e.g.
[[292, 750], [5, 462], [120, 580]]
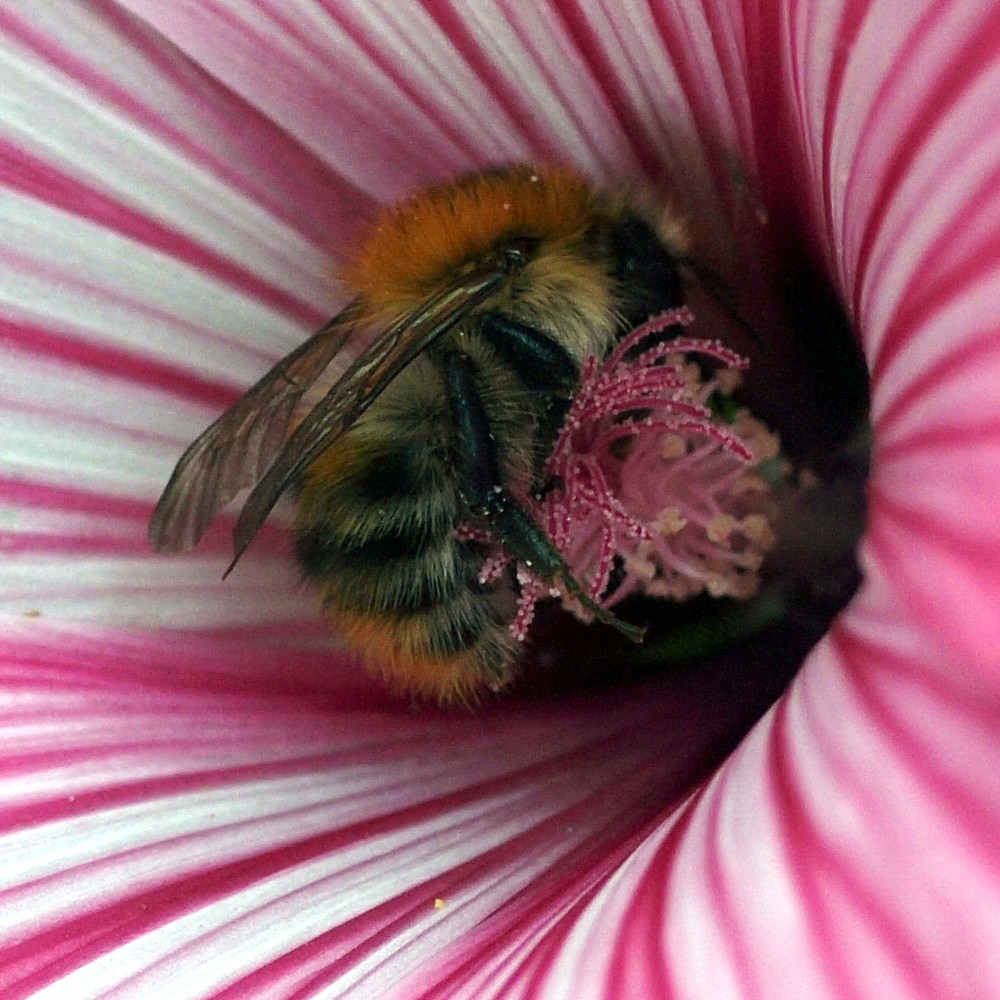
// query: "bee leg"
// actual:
[[483, 490], [540, 362]]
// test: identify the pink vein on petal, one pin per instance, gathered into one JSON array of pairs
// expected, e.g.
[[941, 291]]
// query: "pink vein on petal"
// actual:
[[302, 81], [241, 147], [20, 171], [940, 94], [115, 363]]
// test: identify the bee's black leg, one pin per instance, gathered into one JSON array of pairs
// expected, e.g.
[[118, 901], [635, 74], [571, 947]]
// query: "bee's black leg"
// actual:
[[483, 490], [540, 362], [543, 366]]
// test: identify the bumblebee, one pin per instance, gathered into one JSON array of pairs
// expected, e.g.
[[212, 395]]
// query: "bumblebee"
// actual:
[[473, 308]]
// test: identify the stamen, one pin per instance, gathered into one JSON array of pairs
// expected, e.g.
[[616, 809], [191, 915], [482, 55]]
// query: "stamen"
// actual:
[[653, 481], [656, 493]]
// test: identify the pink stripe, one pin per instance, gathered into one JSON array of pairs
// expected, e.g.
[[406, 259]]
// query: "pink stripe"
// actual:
[[813, 864], [704, 91], [124, 794], [920, 522], [564, 876], [507, 94], [335, 953], [17, 492], [40, 543], [851, 22], [386, 62], [941, 282], [956, 601], [262, 161], [116, 363], [776, 155], [952, 430], [36, 178], [917, 749], [105, 424], [638, 928], [204, 667], [89, 288], [363, 133], [591, 49], [131, 541], [128, 538], [99, 930], [953, 439], [969, 59], [735, 944]]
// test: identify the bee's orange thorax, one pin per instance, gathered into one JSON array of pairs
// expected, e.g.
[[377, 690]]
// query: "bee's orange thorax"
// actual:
[[412, 246]]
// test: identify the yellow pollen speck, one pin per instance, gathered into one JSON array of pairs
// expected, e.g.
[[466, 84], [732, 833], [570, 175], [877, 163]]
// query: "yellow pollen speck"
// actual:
[[672, 446], [728, 380], [439, 904], [757, 528], [641, 568], [749, 483], [670, 521], [766, 445], [720, 527], [757, 436]]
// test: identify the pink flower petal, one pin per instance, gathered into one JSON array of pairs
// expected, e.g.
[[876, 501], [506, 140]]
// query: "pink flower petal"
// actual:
[[200, 798], [174, 801]]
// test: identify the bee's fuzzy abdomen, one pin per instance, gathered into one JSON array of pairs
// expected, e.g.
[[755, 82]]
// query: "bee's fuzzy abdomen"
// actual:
[[409, 574], [375, 535]]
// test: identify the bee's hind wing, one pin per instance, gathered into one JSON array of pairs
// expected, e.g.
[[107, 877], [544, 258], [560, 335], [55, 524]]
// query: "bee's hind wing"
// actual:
[[368, 376], [238, 449]]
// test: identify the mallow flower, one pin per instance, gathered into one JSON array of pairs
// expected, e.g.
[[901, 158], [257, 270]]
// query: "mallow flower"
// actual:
[[201, 796]]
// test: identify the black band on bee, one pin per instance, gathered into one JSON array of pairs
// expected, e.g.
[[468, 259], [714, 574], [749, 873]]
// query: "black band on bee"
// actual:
[[439, 576], [540, 362], [400, 473], [321, 552], [481, 481], [459, 627]]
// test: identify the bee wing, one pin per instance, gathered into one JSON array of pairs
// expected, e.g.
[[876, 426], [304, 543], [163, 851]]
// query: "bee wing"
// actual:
[[368, 376], [242, 444]]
